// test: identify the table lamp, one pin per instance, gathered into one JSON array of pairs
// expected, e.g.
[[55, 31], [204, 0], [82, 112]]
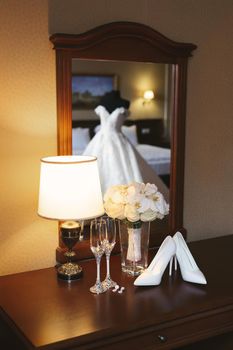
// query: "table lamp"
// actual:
[[70, 191]]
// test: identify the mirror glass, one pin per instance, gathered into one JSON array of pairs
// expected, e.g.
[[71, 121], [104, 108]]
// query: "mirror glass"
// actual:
[[147, 125]]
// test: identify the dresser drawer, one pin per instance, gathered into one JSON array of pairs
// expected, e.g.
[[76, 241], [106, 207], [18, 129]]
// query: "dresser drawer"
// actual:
[[169, 335]]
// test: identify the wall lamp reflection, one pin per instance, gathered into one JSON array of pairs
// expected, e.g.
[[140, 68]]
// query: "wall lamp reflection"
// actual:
[[148, 96]]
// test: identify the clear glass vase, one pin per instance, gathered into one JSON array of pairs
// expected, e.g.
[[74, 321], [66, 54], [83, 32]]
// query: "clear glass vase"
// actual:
[[134, 242]]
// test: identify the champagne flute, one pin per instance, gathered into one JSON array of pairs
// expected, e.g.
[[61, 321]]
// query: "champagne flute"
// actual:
[[109, 240], [97, 248]]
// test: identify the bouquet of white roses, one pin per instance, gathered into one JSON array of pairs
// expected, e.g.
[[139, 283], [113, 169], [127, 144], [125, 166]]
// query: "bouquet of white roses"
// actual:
[[135, 202]]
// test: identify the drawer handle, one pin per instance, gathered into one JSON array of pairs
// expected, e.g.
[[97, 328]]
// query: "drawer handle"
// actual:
[[162, 338]]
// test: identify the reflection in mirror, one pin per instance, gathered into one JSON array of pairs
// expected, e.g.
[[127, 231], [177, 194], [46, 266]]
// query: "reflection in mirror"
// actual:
[[140, 149]]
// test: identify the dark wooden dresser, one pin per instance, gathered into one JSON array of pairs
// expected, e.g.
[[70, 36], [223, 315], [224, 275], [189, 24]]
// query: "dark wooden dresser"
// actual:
[[40, 312]]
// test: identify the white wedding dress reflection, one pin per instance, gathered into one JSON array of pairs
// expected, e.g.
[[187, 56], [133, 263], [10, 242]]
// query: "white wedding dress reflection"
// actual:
[[118, 160]]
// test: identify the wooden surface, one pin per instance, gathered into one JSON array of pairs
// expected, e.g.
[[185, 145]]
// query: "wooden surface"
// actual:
[[45, 312]]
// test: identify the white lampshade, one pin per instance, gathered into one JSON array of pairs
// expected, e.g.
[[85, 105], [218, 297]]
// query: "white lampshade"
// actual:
[[70, 188]]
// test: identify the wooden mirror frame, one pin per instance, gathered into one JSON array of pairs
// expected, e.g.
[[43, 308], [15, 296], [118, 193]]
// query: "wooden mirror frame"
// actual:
[[126, 41]]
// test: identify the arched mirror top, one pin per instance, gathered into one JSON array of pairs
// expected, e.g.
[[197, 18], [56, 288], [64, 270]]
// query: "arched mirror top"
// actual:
[[150, 45], [131, 42]]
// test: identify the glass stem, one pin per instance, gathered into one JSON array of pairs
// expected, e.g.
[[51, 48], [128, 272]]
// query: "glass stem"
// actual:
[[98, 269], [108, 264], [69, 256]]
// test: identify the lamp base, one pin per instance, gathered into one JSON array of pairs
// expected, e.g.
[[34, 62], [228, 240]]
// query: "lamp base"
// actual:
[[69, 272]]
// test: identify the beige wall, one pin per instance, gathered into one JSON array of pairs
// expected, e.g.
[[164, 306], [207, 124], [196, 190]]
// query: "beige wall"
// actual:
[[28, 111], [27, 132]]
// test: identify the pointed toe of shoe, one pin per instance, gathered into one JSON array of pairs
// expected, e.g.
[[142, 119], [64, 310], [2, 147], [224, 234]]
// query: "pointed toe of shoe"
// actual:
[[195, 277], [201, 278], [147, 279]]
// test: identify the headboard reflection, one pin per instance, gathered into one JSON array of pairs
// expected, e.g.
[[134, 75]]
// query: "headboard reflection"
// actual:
[[149, 131]]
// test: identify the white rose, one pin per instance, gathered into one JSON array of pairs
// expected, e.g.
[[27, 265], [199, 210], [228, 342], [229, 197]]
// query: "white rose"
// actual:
[[160, 204], [160, 216], [108, 194], [150, 189], [115, 211], [144, 204], [118, 197], [131, 213], [140, 187], [134, 199], [116, 193], [134, 192], [148, 215]]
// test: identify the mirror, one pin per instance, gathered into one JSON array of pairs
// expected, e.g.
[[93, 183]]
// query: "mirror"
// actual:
[[110, 50], [146, 127]]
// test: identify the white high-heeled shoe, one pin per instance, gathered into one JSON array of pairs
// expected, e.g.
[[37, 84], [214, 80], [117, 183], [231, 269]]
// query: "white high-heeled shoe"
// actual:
[[153, 274], [190, 272]]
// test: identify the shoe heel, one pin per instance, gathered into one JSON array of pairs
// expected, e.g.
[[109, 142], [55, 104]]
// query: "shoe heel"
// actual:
[[175, 262], [173, 258], [170, 265]]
